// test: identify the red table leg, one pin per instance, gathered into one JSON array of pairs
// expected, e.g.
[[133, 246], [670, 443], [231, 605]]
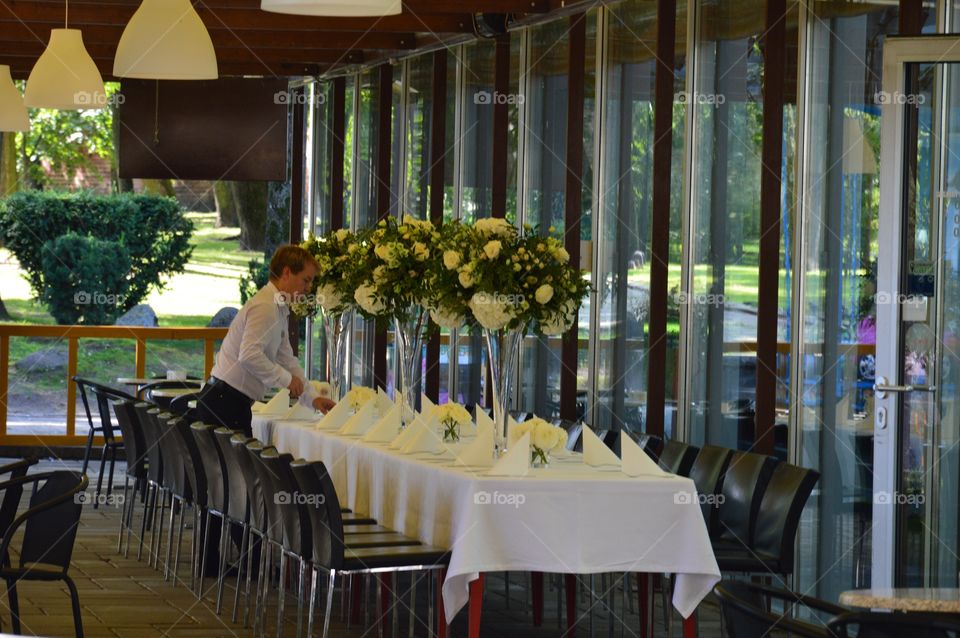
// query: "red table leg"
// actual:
[[536, 581], [643, 596], [441, 612], [690, 626], [476, 606], [570, 588]]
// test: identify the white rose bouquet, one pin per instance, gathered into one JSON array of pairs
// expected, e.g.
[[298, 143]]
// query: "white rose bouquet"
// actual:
[[336, 254], [544, 438], [358, 396], [452, 416]]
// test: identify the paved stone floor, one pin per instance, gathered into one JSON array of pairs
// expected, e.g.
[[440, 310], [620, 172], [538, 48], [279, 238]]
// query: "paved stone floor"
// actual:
[[123, 597]]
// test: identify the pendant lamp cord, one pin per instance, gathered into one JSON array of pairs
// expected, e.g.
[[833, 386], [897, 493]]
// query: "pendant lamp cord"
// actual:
[[156, 114]]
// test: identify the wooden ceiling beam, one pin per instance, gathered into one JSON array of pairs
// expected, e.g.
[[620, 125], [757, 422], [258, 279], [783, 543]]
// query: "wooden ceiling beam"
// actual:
[[409, 6], [20, 69], [254, 39], [233, 18], [32, 51]]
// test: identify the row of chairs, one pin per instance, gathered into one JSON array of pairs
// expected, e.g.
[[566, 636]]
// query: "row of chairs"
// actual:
[[278, 507]]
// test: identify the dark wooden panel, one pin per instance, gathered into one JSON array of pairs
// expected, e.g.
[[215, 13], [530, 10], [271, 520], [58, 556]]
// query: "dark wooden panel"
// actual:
[[577, 52], [230, 129]]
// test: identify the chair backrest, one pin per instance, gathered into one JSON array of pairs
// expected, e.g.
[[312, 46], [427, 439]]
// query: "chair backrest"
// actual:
[[174, 471], [213, 467], [52, 520], [747, 611], [706, 472], [134, 445], [146, 414], [677, 457], [742, 489], [251, 482], [235, 477], [274, 522], [192, 461], [12, 495], [292, 503], [780, 509], [872, 624], [326, 521], [181, 406], [165, 384], [574, 436]]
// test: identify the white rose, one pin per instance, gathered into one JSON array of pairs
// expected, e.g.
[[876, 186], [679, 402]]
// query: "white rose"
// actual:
[[543, 294], [420, 251], [366, 298], [517, 431], [383, 252], [342, 234], [562, 255], [444, 319], [492, 249], [328, 297], [492, 313], [494, 226], [466, 279], [451, 259], [379, 274]]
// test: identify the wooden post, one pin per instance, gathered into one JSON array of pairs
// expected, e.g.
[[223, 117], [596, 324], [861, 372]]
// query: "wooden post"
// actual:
[[141, 357], [207, 358]]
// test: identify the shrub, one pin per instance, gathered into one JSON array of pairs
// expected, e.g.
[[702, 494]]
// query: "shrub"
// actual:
[[85, 279], [256, 278], [152, 230]]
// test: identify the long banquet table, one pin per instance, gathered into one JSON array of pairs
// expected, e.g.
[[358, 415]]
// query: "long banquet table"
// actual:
[[566, 518]]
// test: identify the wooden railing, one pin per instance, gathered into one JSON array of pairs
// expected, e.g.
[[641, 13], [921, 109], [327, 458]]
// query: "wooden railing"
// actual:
[[72, 334]]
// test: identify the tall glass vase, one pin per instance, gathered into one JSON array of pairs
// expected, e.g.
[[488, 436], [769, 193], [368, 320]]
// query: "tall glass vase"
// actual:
[[336, 327], [408, 336], [503, 348]]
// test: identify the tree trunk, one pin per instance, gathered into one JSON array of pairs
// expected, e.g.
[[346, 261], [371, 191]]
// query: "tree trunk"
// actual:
[[159, 187], [8, 164], [4, 315], [226, 205], [250, 199], [124, 185], [278, 217]]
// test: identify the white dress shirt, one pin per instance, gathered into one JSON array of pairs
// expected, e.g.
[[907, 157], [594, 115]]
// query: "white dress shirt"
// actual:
[[256, 354]]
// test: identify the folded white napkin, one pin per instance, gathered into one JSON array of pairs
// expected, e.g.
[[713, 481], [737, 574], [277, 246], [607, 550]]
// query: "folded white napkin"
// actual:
[[362, 421], [278, 405], [384, 401], [424, 439], [300, 412], [385, 430], [257, 407], [480, 452], [336, 417], [406, 434], [594, 450], [482, 418], [635, 460], [516, 462]]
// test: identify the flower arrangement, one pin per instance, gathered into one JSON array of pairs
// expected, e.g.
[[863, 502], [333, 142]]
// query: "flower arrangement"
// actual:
[[508, 278], [322, 388], [452, 416], [359, 395], [394, 258], [544, 438], [336, 254]]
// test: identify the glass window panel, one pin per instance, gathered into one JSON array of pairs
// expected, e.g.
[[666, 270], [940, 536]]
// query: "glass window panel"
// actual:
[[364, 209]]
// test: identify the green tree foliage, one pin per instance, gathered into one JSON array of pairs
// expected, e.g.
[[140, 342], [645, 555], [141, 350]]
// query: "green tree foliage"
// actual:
[[85, 279], [152, 230]]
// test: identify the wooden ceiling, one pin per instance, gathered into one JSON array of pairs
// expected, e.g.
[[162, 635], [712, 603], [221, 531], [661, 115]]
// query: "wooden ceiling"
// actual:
[[249, 41]]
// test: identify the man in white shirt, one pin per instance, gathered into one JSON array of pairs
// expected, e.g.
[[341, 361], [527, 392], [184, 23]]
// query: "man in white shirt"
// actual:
[[256, 355]]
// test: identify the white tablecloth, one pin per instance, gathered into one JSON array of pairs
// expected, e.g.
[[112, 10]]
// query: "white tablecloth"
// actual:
[[568, 518]]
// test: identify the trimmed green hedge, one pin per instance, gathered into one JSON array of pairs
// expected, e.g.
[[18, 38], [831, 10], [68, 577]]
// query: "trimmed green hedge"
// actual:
[[151, 232]]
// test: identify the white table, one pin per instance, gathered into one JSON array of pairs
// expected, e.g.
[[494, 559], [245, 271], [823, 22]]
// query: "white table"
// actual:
[[568, 518]]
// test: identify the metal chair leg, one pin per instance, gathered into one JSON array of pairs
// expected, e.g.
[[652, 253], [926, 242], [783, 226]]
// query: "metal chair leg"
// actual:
[[221, 577], [246, 596], [143, 520], [244, 538], [123, 512], [281, 589], [331, 581], [301, 585], [166, 562], [176, 558], [203, 555], [313, 600]]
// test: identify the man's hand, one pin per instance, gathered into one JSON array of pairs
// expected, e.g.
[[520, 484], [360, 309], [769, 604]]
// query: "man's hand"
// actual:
[[295, 387], [323, 404]]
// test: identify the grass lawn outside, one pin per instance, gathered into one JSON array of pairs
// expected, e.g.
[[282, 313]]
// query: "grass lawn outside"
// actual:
[[189, 299]]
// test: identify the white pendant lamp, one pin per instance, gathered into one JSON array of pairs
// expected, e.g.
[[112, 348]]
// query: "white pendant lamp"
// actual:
[[65, 77], [355, 8], [13, 112], [166, 40]]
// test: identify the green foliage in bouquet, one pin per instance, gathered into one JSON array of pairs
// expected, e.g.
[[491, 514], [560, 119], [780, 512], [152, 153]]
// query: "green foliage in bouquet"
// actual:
[[339, 257]]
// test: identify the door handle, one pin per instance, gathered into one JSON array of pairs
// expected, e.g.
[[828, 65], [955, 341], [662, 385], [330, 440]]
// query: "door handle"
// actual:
[[881, 387]]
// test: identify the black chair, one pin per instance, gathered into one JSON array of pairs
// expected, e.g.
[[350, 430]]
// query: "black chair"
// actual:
[[217, 491], [677, 458], [775, 529], [257, 520], [886, 625], [238, 508], [573, 429], [651, 444], [181, 406], [196, 498], [146, 416], [11, 497], [336, 553], [747, 611], [176, 487], [165, 384], [744, 483], [135, 449], [50, 528], [706, 471], [111, 444]]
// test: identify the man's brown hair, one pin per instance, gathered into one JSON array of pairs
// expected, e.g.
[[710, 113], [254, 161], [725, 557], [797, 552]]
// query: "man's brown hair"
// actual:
[[289, 256]]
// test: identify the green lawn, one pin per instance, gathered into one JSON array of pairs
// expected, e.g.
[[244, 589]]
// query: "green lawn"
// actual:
[[189, 299]]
